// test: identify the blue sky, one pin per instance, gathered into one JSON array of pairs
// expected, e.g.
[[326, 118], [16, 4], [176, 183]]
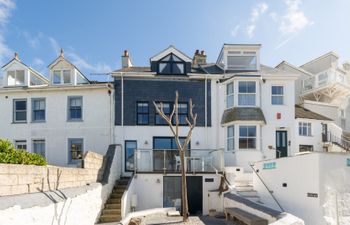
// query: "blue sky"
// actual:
[[95, 33]]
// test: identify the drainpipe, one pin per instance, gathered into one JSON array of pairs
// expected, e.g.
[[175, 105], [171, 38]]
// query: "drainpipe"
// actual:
[[206, 105]]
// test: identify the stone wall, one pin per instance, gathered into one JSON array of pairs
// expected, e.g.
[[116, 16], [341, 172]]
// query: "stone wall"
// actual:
[[22, 179]]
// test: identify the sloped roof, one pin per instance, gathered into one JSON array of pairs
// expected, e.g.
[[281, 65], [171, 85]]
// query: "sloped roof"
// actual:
[[243, 114], [301, 112]]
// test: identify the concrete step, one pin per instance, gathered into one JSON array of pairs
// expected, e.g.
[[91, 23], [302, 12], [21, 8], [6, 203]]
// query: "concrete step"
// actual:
[[243, 183], [113, 206], [110, 218], [115, 212], [253, 198], [250, 193], [244, 188], [116, 195], [118, 191], [114, 201]]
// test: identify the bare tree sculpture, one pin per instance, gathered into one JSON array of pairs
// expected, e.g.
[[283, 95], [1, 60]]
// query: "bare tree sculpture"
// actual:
[[182, 148]]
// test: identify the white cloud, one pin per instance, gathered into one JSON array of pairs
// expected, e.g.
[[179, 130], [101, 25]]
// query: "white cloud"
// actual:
[[294, 20], [54, 44], [32, 40], [38, 62], [274, 16], [235, 30], [6, 7], [256, 13]]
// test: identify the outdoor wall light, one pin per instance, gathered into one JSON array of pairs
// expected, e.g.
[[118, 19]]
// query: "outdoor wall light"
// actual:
[[158, 181], [197, 142], [146, 142]]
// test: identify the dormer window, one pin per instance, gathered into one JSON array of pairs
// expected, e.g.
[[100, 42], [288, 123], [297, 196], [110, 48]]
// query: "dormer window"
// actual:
[[171, 64], [15, 78], [245, 60], [62, 77]]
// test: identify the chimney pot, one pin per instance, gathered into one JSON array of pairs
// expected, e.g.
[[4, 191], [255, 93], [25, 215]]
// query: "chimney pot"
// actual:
[[199, 58], [16, 56], [126, 53], [197, 52], [126, 61], [203, 52], [62, 53]]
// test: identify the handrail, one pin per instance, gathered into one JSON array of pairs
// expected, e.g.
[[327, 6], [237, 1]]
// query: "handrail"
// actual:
[[268, 190], [342, 142]]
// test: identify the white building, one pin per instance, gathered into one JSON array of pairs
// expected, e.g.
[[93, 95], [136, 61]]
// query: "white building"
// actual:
[[60, 117]]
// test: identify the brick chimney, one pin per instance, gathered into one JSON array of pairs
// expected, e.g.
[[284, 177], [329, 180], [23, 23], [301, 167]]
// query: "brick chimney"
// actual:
[[199, 58], [126, 60]]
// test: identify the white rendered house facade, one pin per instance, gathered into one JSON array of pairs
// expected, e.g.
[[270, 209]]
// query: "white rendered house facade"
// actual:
[[59, 118]]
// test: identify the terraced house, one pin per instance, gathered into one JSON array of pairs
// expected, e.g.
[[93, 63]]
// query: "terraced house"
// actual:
[[255, 123]]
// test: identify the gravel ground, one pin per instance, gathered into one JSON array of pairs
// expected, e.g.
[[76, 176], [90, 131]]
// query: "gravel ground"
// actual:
[[161, 219]]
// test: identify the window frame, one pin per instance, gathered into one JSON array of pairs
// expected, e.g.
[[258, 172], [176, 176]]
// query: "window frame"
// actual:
[[69, 152], [230, 138], [242, 54], [14, 110], [33, 144], [33, 110], [171, 63], [239, 93], [277, 95], [142, 113], [61, 75], [247, 137], [15, 77], [21, 140], [69, 119], [230, 95], [306, 146], [307, 126], [171, 107], [125, 154]]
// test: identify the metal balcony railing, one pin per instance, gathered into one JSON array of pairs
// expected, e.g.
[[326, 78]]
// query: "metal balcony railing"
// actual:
[[342, 142], [168, 160], [324, 78]]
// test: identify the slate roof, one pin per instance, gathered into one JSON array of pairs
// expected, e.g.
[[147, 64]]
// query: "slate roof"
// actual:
[[242, 114], [210, 68], [301, 112]]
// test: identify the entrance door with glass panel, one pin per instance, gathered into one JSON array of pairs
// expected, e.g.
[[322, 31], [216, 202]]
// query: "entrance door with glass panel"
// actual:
[[281, 144]]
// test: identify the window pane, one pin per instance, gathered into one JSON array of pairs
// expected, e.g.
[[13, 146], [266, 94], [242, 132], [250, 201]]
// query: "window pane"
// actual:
[[230, 101], [39, 147], [178, 68], [75, 149], [142, 107], [277, 100], [230, 131], [130, 147], [21, 105], [11, 80], [56, 76], [182, 108], [66, 77], [164, 68], [22, 144], [229, 88], [252, 131], [246, 99], [142, 119], [277, 90], [246, 86], [19, 77], [176, 59], [241, 62], [167, 58], [75, 107]]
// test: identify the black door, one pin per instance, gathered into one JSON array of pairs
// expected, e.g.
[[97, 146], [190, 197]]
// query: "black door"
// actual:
[[195, 194], [281, 144], [172, 193], [324, 132]]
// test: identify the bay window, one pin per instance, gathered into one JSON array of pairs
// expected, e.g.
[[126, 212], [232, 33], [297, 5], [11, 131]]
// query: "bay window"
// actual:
[[246, 93], [247, 137]]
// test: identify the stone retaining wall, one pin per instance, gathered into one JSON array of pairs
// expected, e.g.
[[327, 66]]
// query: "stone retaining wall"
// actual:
[[21, 179]]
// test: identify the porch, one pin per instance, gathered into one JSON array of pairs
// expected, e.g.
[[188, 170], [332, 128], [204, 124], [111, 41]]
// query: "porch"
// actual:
[[168, 161]]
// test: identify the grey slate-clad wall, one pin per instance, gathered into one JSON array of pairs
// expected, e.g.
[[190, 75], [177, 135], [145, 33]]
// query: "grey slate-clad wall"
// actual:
[[160, 90]]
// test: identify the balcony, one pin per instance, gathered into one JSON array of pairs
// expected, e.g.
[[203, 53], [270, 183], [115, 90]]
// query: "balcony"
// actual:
[[168, 161], [326, 86]]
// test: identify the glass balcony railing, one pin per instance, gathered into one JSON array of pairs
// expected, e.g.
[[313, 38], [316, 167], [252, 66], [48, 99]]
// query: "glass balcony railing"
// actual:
[[327, 77], [168, 160]]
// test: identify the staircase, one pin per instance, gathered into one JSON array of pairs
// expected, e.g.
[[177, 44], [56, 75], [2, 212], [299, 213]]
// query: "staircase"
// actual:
[[244, 187], [342, 142], [112, 209]]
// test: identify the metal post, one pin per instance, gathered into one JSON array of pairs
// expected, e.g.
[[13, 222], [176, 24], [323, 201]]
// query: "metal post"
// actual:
[[164, 168]]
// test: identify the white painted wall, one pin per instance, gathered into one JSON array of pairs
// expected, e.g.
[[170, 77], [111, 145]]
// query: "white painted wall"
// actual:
[[322, 173], [143, 184], [95, 129]]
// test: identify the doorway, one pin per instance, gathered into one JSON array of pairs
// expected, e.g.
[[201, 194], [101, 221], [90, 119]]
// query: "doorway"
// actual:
[[172, 193], [281, 143]]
